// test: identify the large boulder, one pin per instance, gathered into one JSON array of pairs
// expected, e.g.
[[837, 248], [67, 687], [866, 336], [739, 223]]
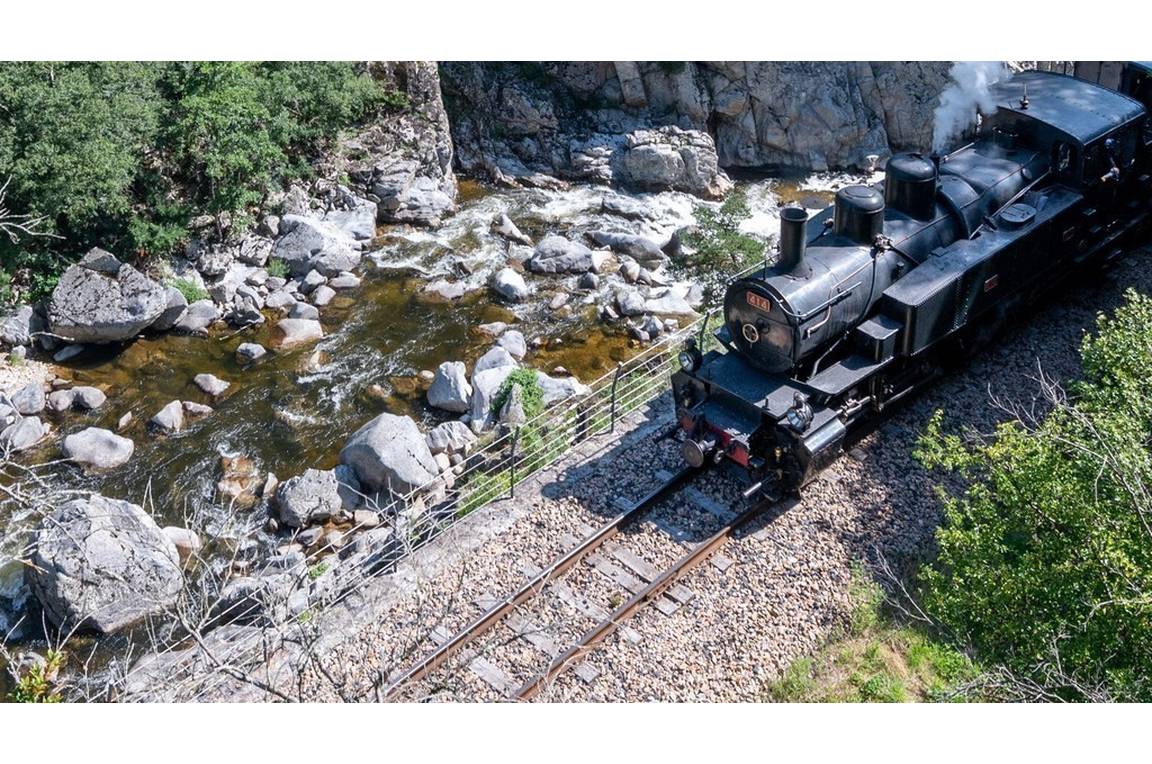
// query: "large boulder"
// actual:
[[409, 197], [671, 159], [556, 389], [16, 327], [450, 389], [30, 399], [555, 254], [390, 453], [177, 306], [485, 385], [97, 448], [102, 564], [450, 438], [22, 434], [100, 300], [643, 249], [169, 419], [309, 498], [356, 220], [307, 243], [197, 317]]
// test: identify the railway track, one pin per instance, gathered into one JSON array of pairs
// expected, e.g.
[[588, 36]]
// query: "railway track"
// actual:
[[643, 584]]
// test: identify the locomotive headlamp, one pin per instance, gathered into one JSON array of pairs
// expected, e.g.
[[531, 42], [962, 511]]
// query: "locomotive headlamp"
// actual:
[[690, 358], [799, 416]]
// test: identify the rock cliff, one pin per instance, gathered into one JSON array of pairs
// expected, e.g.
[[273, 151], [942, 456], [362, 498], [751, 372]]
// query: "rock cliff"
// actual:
[[527, 120]]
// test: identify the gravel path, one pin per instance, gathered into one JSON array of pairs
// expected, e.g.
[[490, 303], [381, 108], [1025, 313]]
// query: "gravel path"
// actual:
[[788, 586]]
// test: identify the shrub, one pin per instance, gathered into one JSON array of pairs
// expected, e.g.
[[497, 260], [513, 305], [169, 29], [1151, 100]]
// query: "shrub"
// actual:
[[38, 685], [720, 247], [189, 288], [277, 268], [531, 393], [1045, 560]]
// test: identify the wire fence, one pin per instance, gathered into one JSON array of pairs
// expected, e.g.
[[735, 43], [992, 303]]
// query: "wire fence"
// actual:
[[490, 473]]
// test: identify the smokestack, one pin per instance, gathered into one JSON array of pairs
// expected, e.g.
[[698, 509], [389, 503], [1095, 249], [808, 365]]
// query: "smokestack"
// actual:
[[793, 240]]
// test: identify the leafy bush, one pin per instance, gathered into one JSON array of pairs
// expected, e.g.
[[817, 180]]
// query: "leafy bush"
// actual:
[[124, 154], [1045, 561], [720, 247], [189, 288], [531, 393], [38, 685], [277, 268]]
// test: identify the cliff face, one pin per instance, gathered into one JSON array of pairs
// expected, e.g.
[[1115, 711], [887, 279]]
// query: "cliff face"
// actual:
[[519, 120]]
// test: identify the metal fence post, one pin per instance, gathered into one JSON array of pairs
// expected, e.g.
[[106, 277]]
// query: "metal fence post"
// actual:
[[615, 381], [512, 464]]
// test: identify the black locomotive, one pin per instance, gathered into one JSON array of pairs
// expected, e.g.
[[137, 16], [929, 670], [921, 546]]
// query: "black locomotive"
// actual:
[[868, 300]]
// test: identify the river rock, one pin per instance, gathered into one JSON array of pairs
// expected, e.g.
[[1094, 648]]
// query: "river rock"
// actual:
[[307, 243], [198, 317], [512, 412], [16, 328], [491, 330], [485, 385], [88, 399], [495, 358], [192, 408], [671, 159], [557, 389], [29, 399], [322, 295], [669, 303], [309, 498], [357, 221], [555, 254], [450, 389], [312, 279], [280, 300], [513, 341], [629, 302], [250, 352], [174, 310], [292, 332], [98, 448], [641, 248], [345, 281], [510, 285], [305, 311], [589, 282], [169, 419], [23, 434], [102, 564], [60, 400], [99, 300], [240, 481], [211, 384], [389, 452], [450, 438], [502, 225], [406, 196]]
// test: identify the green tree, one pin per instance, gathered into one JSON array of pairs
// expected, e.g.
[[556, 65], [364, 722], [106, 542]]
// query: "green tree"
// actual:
[[1045, 562]]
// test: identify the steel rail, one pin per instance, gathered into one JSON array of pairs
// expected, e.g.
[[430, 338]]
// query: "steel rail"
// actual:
[[533, 587], [656, 588]]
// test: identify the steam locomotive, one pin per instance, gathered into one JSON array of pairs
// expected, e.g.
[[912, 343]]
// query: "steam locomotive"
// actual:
[[867, 300]]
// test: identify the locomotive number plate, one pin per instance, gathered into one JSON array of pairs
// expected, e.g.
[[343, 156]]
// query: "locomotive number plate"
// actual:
[[758, 302]]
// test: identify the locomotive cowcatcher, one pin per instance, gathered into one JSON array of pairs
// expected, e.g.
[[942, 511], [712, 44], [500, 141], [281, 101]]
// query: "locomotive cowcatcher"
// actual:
[[869, 298]]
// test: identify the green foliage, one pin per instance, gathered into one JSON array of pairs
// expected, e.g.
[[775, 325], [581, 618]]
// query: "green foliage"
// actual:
[[720, 247], [277, 268], [38, 684], [1045, 561], [531, 393], [124, 154], [189, 288], [480, 488], [317, 570]]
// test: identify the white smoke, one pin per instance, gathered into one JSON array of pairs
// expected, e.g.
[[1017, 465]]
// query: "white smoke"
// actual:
[[970, 90]]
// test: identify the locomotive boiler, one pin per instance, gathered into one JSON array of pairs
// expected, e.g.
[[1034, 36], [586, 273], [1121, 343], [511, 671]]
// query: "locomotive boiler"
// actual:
[[867, 300]]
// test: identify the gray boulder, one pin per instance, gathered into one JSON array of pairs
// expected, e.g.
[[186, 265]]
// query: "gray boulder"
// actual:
[[176, 306], [309, 498], [292, 332], [249, 352], [450, 389], [323, 295], [450, 438], [94, 302], [211, 384], [495, 358], [669, 303], [671, 159], [408, 197], [88, 398], [513, 341], [512, 412], [641, 248], [22, 434], [29, 399], [358, 221], [555, 254], [485, 385], [390, 453], [16, 328], [280, 300], [629, 302], [169, 419], [345, 281], [97, 448], [510, 285], [306, 243], [305, 311], [557, 389], [198, 317], [60, 400], [102, 564]]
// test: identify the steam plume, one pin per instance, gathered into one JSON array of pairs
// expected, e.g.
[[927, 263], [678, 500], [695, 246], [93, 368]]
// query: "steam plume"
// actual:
[[970, 90]]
